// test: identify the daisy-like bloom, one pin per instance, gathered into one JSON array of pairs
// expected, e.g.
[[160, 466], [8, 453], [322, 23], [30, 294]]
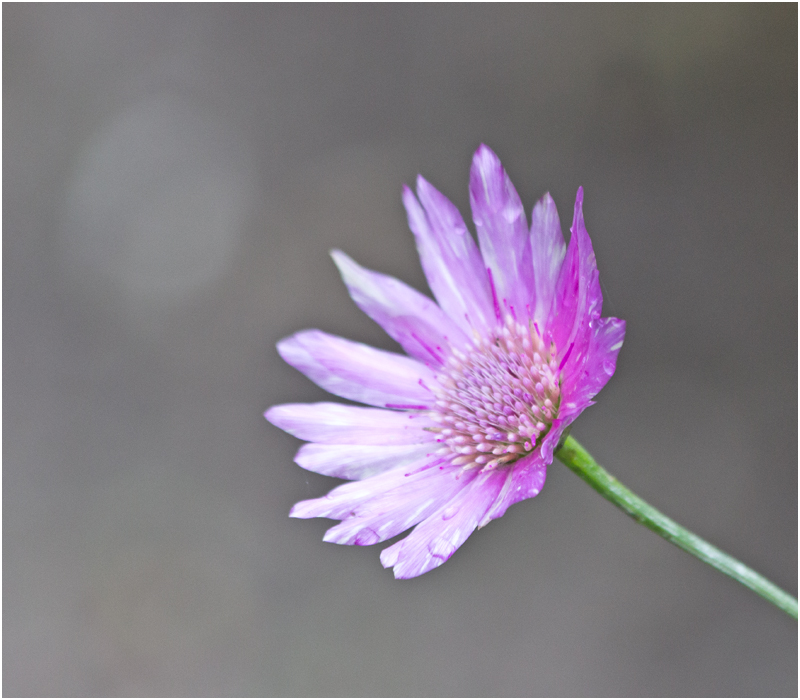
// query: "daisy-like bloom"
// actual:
[[465, 425]]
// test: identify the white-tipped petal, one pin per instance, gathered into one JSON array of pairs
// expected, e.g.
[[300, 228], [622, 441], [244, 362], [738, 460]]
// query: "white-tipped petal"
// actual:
[[359, 461], [450, 259], [359, 372], [335, 423], [547, 251], [396, 509], [502, 233], [422, 329], [435, 539]]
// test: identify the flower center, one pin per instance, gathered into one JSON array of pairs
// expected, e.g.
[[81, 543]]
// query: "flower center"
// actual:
[[497, 401]]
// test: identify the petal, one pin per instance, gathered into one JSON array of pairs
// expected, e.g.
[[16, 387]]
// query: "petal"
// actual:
[[335, 423], [583, 382], [547, 251], [359, 372], [502, 232], [450, 259], [346, 500], [435, 540], [525, 480], [578, 298], [417, 323], [359, 461], [399, 508]]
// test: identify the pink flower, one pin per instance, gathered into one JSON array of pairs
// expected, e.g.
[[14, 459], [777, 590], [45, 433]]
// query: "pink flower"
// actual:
[[466, 424]]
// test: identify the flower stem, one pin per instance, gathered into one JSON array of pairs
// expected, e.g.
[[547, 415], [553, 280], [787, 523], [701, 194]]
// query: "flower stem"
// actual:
[[583, 464]]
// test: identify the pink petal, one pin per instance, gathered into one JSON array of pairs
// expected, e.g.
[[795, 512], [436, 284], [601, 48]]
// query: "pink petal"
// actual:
[[502, 233], [417, 323], [578, 298], [435, 540], [450, 259], [547, 251], [359, 461], [345, 501], [525, 480], [583, 382], [335, 423], [358, 372], [399, 508]]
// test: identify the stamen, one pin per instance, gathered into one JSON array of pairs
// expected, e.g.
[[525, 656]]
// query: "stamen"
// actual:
[[497, 400]]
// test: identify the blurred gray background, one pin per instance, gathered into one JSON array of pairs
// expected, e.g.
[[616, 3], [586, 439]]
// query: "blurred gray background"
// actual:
[[174, 177]]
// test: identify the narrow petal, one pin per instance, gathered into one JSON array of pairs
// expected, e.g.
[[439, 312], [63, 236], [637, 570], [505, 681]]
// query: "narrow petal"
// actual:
[[359, 461], [399, 508], [450, 259], [578, 298], [358, 372], [435, 540], [547, 251], [502, 232], [335, 423], [583, 382], [423, 330], [525, 480], [345, 501]]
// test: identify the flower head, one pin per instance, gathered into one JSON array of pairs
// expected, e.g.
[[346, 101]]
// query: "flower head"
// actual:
[[465, 425]]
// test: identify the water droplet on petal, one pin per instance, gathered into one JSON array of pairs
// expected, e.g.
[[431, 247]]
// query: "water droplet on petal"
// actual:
[[441, 548], [449, 512]]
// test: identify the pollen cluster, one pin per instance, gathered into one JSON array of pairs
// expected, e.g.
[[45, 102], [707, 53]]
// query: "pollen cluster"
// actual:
[[498, 398]]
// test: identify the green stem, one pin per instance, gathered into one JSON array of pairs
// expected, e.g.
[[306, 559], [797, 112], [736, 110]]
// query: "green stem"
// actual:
[[582, 463]]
